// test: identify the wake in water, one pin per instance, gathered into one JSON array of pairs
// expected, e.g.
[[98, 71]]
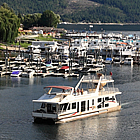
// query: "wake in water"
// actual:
[[126, 103]]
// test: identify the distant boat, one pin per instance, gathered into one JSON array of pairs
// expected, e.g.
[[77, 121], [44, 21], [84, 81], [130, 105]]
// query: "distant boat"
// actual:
[[19, 58], [116, 60], [128, 61], [108, 61], [28, 73], [16, 73], [91, 26]]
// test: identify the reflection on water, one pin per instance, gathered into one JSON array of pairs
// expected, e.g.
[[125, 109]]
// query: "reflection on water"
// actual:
[[96, 127], [15, 81], [31, 81]]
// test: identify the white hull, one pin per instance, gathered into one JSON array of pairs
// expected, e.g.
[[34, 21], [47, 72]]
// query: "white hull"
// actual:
[[88, 114], [74, 116]]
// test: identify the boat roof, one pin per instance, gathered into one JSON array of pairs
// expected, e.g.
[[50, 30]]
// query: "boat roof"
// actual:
[[15, 72], [59, 87], [64, 67], [97, 80], [48, 98]]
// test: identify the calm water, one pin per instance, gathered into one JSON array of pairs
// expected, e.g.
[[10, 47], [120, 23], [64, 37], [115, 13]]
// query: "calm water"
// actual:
[[100, 27], [16, 122]]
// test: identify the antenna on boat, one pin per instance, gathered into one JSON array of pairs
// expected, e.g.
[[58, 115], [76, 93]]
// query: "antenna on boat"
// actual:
[[76, 87]]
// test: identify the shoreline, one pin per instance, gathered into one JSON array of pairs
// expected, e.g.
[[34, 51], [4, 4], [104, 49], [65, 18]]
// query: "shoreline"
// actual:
[[64, 23]]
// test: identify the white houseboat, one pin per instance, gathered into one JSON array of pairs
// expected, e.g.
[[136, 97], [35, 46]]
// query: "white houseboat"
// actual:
[[91, 96]]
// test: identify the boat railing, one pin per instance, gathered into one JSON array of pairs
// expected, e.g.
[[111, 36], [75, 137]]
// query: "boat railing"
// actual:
[[89, 77], [108, 77], [108, 90], [95, 77]]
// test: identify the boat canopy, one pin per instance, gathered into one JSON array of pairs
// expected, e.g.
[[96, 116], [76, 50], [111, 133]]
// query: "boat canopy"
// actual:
[[65, 67], [59, 87], [15, 72], [109, 59]]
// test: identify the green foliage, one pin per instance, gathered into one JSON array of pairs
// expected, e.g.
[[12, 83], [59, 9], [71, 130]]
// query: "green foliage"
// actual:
[[9, 24], [25, 45], [74, 11], [30, 20], [49, 19], [46, 38]]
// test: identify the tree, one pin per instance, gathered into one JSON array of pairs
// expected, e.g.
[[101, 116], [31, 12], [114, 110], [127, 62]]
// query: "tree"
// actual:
[[31, 20], [9, 24], [49, 19]]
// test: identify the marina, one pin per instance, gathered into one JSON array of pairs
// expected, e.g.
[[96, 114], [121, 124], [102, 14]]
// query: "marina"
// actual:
[[82, 53], [66, 69]]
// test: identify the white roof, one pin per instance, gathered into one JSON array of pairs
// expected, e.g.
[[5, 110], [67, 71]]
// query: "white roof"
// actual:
[[48, 98]]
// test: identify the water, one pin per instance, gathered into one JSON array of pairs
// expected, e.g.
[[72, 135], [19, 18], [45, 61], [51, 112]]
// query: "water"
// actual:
[[99, 27], [16, 122]]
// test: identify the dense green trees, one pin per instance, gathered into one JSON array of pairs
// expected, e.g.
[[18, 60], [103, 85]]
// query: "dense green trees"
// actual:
[[9, 24], [47, 18], [30, 20], [72, 11]]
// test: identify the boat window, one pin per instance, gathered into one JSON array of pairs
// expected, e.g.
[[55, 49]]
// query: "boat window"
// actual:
[[68, 107], [92, 101], [77, 106], [87, 104], [83, 106], [99, 100], [106, 105], [43, 105], [63, 106], [73, 105], [99, 106], [49, 108], [54, 107], [106, 98]]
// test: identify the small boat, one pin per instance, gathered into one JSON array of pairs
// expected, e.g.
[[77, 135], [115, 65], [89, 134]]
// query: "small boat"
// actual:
[[108, 61], [91, 96], [84, 70], [116, 60], [98, 65], [19, 58], [16, 73], [28, 73], [128, 61]]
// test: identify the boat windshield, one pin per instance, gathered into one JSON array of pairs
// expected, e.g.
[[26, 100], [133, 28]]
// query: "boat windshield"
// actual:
[[58, 89]]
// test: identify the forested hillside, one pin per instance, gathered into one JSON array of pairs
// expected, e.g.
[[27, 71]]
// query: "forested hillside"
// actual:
[[117, 11]]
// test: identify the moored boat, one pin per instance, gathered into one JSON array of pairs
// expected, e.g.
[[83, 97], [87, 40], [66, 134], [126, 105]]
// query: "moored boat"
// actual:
[[128, 61], [16, 73], [91, 96]]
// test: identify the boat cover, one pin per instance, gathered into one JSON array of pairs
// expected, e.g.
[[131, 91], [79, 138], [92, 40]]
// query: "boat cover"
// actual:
[[59, 87], [15, 72]]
